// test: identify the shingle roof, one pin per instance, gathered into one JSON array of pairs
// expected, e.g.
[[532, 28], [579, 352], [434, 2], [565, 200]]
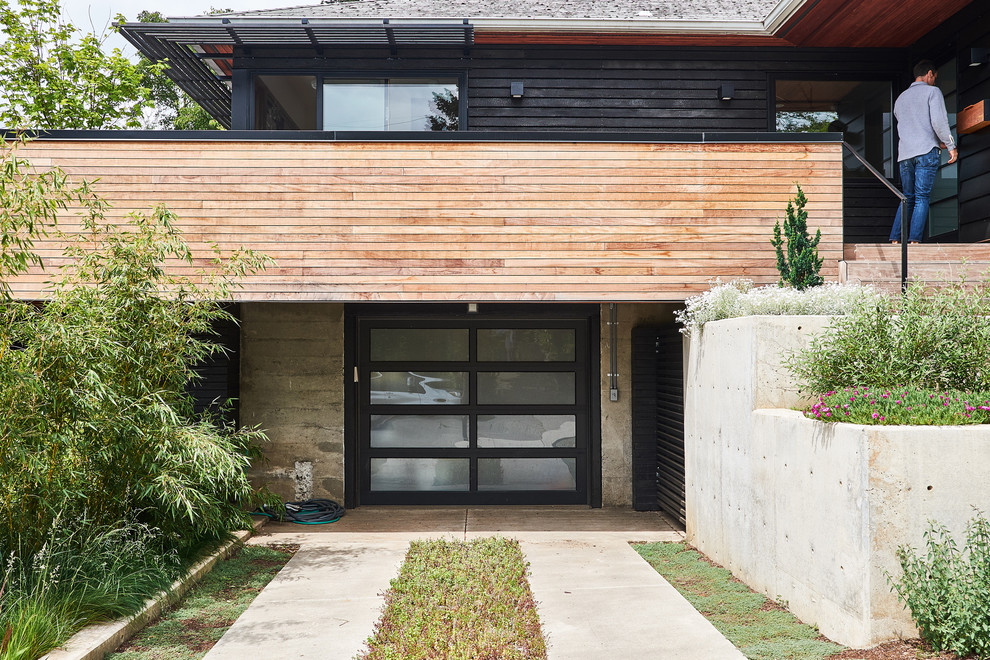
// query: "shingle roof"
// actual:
[[688, 10]]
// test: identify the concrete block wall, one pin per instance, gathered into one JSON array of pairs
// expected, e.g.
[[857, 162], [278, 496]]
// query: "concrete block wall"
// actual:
[[292, 380], [808, 512]]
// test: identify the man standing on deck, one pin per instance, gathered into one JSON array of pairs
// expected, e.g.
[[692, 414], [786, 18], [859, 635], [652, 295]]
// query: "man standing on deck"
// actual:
[[922, 129]]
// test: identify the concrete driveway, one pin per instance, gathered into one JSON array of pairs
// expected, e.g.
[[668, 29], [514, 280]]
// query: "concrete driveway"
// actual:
[[596, 597]]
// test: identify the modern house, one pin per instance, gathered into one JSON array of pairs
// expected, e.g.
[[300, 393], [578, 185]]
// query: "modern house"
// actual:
[[485, 214]]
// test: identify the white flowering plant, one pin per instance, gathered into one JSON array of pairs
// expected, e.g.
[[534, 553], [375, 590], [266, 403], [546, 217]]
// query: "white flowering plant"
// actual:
[[726, 300]]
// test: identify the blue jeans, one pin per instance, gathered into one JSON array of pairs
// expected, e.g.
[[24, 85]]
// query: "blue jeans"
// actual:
[[917, 179]]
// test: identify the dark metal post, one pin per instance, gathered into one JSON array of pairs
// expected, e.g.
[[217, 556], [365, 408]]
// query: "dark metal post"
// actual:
[[905, 228]]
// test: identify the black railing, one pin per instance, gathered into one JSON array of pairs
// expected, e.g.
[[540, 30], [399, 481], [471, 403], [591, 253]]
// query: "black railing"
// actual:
[[905, 221]]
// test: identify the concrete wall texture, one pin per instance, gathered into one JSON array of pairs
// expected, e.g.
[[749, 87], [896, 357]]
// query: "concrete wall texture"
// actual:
[[292, 385], [805, 511], [617, 415]]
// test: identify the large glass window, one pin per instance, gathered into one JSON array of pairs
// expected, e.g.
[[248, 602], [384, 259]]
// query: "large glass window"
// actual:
[[291, 102], [860, 110], [392, 104]]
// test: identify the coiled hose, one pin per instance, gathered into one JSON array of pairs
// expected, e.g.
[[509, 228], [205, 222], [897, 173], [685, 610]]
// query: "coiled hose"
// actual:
[[307, 512]]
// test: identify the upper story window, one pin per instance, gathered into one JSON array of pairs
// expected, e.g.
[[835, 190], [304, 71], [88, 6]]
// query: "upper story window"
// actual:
[[317, 102], [859, 109], [285, 103], [391, 104]]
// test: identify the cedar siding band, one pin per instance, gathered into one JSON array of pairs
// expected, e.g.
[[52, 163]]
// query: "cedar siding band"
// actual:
[[454, 220]]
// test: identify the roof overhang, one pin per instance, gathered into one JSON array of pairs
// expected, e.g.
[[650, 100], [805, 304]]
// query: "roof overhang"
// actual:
[[200, 50]]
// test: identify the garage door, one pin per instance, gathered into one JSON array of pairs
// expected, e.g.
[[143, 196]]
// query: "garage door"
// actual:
[[474, 410]]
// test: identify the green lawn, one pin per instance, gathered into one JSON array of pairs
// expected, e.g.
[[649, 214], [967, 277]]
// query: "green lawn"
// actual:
[[190, 629], [456, 599], [760, 628]]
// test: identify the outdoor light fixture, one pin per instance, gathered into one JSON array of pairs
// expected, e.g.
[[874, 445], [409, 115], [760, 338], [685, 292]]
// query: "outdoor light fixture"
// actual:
[[516, 90], [978, 56], [472, 308], [726, 92]]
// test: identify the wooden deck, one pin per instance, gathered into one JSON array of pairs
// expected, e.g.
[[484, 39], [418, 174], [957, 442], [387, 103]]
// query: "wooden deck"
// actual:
[[433, 221]]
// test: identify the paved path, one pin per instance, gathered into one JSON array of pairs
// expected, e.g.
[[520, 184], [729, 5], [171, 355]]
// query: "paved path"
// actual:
[[596, 597]]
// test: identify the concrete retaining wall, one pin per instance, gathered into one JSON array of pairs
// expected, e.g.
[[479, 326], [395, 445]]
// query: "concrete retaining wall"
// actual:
[[807, 512]]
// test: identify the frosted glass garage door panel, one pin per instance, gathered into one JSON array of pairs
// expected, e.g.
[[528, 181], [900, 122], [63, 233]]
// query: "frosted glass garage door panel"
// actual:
[[526, 474], [526, 387], [526, 431], [420, 344], [421, 388], [420, 474], [416, 431], [526, 345]]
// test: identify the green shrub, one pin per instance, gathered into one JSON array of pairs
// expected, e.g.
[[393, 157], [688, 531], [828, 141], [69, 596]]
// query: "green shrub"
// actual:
[[930, 338], [801, 265], [96, 422], [903, 405], [95, 419], [948, 590], [725, 300]]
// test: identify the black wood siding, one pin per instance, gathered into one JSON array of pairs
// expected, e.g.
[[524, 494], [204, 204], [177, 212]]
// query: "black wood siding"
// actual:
[[606, 88], [220, 375], [953, 39]]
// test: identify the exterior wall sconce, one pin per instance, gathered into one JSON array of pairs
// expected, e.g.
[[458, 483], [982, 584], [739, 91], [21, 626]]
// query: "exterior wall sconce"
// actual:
[[472, 308], [516, 90], [979, 56], [726, 92]]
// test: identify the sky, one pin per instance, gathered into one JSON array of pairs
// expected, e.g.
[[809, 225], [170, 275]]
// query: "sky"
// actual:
[[96, 15]]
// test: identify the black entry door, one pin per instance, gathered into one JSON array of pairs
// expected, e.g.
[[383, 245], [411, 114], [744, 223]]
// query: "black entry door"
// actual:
[[474, 410]]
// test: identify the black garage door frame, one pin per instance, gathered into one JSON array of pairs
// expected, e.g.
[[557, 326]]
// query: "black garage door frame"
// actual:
[[358, 316]]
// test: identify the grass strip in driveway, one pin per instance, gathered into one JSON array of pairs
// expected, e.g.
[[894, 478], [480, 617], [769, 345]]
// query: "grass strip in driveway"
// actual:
[[758, 627], [457, 599], [189, 630]]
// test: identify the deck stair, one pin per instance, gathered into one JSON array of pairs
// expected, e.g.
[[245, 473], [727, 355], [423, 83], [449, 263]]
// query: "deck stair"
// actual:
[[879, 264]]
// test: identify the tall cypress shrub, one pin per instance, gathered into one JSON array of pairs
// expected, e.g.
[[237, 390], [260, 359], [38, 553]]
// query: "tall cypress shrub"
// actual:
[[800, 266]]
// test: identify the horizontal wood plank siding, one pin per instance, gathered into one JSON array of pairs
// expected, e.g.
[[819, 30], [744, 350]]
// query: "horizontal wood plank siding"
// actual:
[[469, 221]]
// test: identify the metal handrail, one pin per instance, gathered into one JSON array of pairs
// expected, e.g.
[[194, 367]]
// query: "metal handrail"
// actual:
[[905, 221]]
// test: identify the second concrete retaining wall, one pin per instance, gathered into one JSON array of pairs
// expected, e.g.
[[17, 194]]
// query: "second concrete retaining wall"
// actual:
[[808, 512]]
